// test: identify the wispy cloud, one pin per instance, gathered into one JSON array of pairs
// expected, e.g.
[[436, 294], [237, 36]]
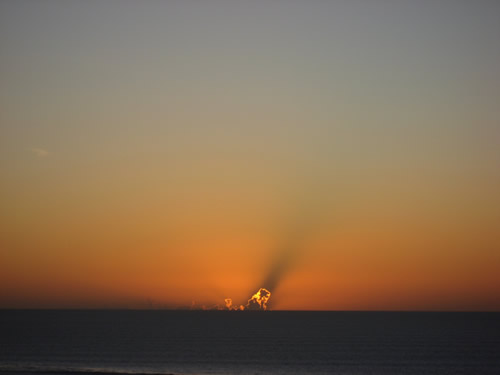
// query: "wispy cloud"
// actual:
[[40, 152]]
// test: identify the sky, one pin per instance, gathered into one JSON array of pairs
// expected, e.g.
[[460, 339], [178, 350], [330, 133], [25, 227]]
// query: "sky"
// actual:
[[170, 154]]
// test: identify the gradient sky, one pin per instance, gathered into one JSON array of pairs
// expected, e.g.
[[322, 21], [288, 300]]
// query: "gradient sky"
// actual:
[[169, 153]]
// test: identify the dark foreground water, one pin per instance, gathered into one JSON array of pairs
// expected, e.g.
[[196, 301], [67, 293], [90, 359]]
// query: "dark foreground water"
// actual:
[[226, 342]]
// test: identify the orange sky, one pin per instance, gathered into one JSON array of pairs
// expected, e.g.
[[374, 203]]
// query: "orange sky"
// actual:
[[373, 256]]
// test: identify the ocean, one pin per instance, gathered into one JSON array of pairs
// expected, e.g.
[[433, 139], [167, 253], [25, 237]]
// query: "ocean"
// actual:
[[248, 342]]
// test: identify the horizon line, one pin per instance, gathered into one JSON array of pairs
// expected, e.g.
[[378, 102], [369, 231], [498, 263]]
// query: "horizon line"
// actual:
[[237, 311]]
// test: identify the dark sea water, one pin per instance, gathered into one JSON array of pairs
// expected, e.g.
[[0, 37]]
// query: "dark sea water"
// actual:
[[234, 342]]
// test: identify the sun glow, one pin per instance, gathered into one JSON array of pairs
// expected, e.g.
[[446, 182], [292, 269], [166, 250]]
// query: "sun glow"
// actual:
[[257, 302]]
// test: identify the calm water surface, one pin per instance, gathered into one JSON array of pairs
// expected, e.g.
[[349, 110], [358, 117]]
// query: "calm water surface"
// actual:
[[226, 342]]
